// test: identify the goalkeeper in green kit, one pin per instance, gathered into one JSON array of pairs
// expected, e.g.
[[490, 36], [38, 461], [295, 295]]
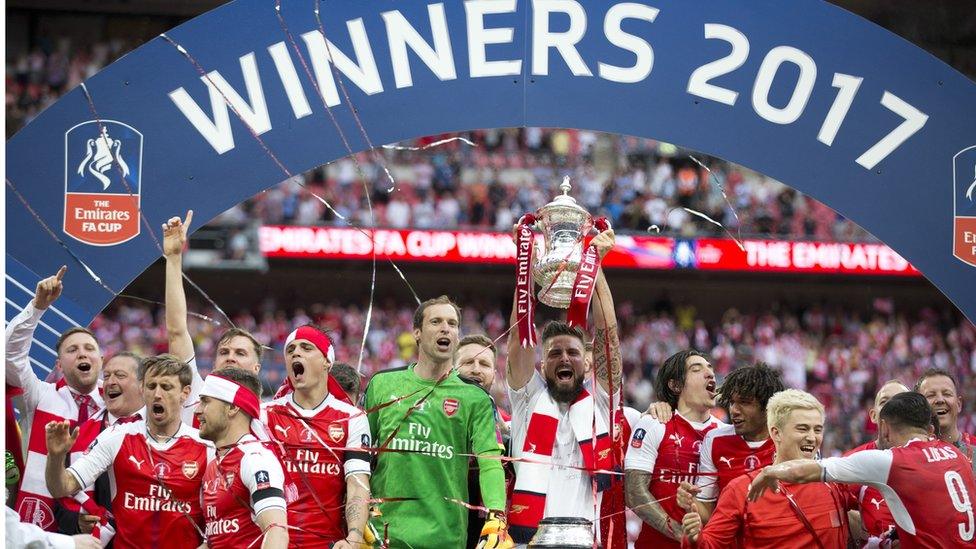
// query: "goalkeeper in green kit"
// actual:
[[436, 420]]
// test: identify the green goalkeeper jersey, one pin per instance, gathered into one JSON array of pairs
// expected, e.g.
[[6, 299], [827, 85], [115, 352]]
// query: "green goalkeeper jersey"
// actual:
[[427, 458]]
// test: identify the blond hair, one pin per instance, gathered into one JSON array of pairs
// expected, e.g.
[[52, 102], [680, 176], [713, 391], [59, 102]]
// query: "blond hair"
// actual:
[[783, 403]]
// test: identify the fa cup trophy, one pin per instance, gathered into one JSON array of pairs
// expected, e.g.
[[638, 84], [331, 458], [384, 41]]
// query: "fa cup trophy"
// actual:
[[564, 268], [563, 223]]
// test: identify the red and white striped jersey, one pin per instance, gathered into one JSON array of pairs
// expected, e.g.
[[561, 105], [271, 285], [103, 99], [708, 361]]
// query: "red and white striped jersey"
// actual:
[[319, 449], [155, 485], [669, 451], [928, 485], [238, 487], [725, 456]]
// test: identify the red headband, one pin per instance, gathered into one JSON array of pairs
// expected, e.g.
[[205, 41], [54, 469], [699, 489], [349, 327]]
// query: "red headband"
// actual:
[[316, 337], [227, 390]]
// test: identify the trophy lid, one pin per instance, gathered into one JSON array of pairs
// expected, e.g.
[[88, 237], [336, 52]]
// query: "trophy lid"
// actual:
[[564, 200]]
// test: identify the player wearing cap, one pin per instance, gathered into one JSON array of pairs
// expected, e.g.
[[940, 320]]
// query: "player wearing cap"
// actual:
[[243, 488], [320, 435], [155, 465]]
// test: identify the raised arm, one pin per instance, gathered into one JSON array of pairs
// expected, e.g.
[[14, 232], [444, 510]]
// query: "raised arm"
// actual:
[[60, 438], [20, 332], [174, 240], [607, 363], [521, 360]]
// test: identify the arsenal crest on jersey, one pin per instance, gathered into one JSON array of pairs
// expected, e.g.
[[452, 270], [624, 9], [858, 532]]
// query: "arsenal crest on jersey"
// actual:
[[190, 469], [336, 432], [102, 177], [451, 406], [964, 203]]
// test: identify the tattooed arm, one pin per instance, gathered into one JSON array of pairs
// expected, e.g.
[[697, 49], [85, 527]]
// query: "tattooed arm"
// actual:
[[357, 510], [644, 504], [606, 343]]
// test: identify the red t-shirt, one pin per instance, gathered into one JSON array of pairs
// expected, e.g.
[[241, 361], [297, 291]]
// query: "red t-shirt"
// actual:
[[726, 456], [670, 452], [772, 521], [238, 487], [875, 516], [317, 449], [155, 486], [928, 485]]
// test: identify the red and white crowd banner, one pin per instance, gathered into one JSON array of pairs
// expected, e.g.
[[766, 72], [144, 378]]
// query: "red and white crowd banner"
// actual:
[[633, 252]]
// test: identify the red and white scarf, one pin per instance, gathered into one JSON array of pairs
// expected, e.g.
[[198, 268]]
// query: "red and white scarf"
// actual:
[[56, 403], [533, 474]]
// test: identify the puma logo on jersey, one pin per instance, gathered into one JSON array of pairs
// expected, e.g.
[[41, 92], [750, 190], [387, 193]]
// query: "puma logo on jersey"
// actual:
[[137, 462], [877, 503], [726, 461], [530, 447], [677, 440], [283, 430]]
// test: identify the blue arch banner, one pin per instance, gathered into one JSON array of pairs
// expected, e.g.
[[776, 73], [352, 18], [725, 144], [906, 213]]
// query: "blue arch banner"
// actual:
[[238, 99]]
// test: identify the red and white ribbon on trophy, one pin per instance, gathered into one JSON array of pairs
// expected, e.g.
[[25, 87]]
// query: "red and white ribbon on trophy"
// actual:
[[524, 297], [585, 283]]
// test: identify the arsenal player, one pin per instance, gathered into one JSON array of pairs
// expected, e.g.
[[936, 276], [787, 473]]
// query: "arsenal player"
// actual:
[[236, 347], [875, 519], [243, 488], [731, 450], [806, 515], [155, 465], [928, 484], [941, 390], [663, 455], [320, 436]]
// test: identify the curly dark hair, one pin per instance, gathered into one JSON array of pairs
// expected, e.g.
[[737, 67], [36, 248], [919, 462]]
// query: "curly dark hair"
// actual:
[[758, 382]]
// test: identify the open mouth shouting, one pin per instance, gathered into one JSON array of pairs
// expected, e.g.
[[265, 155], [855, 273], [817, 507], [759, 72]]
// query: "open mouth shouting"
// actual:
[[565, 373], [298, 370], [941, 410], [443, 344], [157, 411], [710, 388], [112, 392], [84, 367]]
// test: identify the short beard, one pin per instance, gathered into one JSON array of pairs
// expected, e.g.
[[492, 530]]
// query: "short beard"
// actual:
[[565, 396]]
